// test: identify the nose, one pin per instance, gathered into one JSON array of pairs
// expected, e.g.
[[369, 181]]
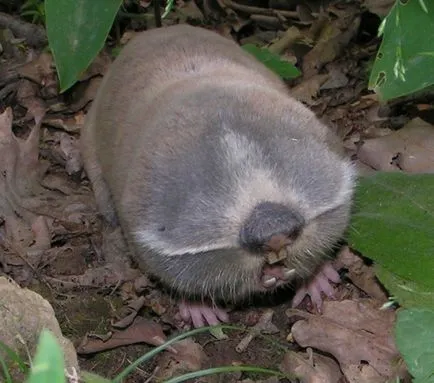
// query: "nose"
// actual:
[[271, 227]]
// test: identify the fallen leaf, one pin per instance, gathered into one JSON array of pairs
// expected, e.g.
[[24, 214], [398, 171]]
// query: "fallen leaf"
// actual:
[[311, 368], [379, 7], [354, 332], [308, 89], [360, 274], [410, 149], [189, 357], [141, 331]]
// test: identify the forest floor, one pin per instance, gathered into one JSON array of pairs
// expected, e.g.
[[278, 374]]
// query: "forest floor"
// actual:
[[113, 313]]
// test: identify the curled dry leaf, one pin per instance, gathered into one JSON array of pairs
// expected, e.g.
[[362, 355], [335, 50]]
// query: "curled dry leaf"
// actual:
[[43, 72], [141, 331], [361, 275], [20, 170], [357, 333], [69, 125], [189, 357], [308, 89], [129, 313], [379, 7], [333, 40], [410, 149], [66, 260], [311, 368], [28, 96]]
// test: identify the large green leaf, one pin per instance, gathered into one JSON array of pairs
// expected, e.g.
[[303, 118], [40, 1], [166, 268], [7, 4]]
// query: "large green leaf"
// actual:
[[76, 32], [414, 334], [272, 61], [410, 293], [405, 60], [48, 364], [393, 224]]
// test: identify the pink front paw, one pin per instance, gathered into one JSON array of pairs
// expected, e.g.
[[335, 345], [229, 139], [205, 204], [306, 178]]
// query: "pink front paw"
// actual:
[[202, 314], [319, 284]]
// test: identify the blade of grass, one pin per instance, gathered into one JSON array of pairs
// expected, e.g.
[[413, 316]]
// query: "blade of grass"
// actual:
[[155, 351], [14, 357], [219, 370], [6, 373]]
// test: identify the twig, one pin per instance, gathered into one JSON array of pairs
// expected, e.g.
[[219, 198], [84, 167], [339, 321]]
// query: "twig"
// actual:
[[262, 11], [289, 38]]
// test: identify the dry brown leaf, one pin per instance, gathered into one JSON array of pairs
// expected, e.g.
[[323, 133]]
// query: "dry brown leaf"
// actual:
[[128, 313], [355, 332], [361, 275], [28, 96], [42, 71], [410, 149], [331, 44], [20, 170], [311, 368], [69, 125], [189, 357], [66, 260], [337, 79], [141, 331], [379, 7], [308, 89]]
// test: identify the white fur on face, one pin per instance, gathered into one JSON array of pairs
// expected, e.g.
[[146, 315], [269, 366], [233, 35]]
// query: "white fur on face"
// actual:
[[254, 183]]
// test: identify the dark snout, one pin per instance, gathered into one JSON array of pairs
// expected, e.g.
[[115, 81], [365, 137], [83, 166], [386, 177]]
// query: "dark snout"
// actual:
[[271, 227]]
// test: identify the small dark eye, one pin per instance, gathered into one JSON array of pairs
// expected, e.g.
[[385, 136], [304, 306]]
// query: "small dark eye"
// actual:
[[162, 228]]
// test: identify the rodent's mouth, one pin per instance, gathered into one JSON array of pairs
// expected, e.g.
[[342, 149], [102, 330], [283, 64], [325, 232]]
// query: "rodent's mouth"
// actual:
[[275, 275]]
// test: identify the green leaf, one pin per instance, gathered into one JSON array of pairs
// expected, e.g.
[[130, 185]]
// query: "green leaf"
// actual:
[[414, 334], [15, 358], [393, 224], [76, 32], [272, 61], [410, 293], [48, 364], [405, 59]]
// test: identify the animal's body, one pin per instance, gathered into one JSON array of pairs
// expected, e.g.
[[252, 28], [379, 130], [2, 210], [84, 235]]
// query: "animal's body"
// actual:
[[208, 164]]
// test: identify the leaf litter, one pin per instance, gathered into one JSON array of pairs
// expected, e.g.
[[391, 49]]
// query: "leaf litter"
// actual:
[[52, 238]]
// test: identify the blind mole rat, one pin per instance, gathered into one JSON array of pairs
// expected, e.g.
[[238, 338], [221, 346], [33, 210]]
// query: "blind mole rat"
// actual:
[[223, 184]]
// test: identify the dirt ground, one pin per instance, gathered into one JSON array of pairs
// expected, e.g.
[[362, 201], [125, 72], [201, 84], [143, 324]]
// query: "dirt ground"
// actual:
[[66, 260]]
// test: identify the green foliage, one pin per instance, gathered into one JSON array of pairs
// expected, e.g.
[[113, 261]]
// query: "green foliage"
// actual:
[[35, 10], [13, 360], [48, 364], [76, 32], [393, 224], [273, 61], [405, 60], [415, 340]]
